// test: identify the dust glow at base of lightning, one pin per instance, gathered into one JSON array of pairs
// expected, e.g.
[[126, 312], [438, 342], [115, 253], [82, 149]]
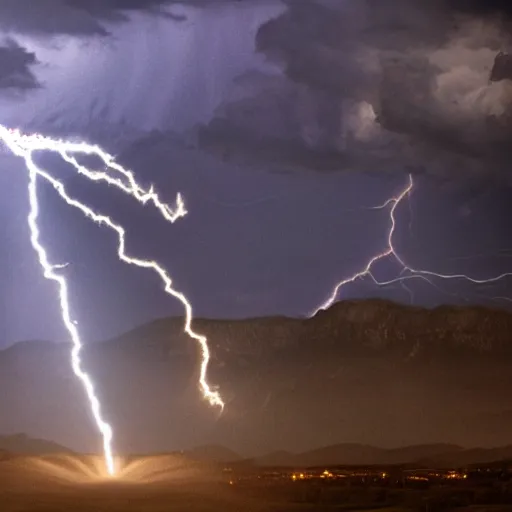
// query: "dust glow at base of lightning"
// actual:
[[407, 271], [24, 146]]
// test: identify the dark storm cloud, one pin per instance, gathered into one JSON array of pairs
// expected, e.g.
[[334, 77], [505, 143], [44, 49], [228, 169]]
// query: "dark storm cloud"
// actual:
[[15, 64], [501, 8], [377, 85], [115, 10], [71, 17], [83, 17], [47, 17]]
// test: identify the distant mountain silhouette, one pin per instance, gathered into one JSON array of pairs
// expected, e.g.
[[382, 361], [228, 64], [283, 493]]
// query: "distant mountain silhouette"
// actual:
[[349, 454], [429, 455], [353, 454], [278, 458], [360, 327], [22, 444], [214, 453], [471, 456], [358, 454], [371, 371]]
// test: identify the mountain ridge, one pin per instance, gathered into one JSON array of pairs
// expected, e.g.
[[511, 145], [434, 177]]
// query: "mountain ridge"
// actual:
[[340, 454], [462, 324], [23, 444], [372, 371], [355, 454]]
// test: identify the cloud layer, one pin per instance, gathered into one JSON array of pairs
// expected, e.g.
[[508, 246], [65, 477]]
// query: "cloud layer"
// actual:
[[395, 85], [83, 17], [70, 17], [15, 67], [47, 18], [134, 63], [367, 85]]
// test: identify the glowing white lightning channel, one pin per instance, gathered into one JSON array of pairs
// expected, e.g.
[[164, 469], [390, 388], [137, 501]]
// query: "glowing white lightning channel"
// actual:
[[24, 146], [64, 148], [390, 250], [49, 273]]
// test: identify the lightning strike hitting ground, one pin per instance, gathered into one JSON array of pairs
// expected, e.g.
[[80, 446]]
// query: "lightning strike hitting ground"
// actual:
[[50, 273], [24, 146], [411, 273]]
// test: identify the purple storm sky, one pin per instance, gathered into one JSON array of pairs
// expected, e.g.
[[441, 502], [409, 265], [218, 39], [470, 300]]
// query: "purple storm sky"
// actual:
[[263, 114]]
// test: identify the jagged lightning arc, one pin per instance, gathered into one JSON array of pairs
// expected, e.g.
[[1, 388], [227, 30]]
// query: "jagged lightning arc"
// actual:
[[412, 273], [23, 146]]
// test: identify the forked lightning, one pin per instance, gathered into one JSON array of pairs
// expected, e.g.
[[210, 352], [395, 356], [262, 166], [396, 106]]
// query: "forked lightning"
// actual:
[[407, 271], [24, 146]]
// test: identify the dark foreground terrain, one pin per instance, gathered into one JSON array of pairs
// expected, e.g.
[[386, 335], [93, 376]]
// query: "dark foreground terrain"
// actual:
[[172, 482], [70, 483]]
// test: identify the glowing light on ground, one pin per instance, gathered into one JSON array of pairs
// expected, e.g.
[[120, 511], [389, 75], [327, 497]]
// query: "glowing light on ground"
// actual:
[[61, 471], [407, 271], [24, 146]]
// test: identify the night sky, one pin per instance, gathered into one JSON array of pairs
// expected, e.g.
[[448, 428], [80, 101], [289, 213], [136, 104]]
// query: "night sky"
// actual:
[[282, 123]]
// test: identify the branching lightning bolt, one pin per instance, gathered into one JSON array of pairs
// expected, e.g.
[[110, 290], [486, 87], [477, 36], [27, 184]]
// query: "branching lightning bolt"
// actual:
[[23, 146], [49, 273], [65, 148], [407, 271]]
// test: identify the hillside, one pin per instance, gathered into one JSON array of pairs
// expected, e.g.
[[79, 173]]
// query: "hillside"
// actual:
[[430, 455], [371, 372], [359, 327], [436, 455], [23, 444]]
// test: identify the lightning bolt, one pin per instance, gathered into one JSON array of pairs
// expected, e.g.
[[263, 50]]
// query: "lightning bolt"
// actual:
[[24, 146], [49, 273], [407, 271], [64, 148]]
